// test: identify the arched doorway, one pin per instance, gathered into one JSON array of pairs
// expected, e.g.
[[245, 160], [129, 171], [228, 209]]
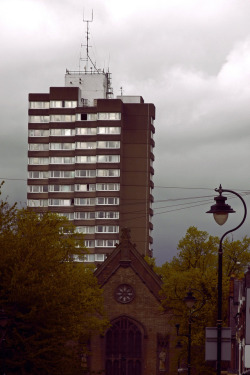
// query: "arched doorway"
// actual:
[[124, 348]]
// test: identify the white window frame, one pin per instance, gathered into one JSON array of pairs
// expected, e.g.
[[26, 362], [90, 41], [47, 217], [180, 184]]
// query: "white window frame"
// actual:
[[112, 215], [108, 187], [86, 215], [107, 229], [37, 202], [38, 105], [41, 132], [108, 144], [38, 147], [37, 188], [85, 145], [84, 201], [85, 187], [108, 173], [62, 160], [39, 119], [56, 132], [62, 174], [60, 202], [86, 159], [85, 173], [62, 118], [105, 201], [61, 188], [38, 160], [41, 175], [108, 130], [105, 243], [109, 116], [62, 146], [86, 131], [108, 158], [85, 229]]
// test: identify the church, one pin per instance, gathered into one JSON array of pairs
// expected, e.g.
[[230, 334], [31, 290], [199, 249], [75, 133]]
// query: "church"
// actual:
[[140, 336]]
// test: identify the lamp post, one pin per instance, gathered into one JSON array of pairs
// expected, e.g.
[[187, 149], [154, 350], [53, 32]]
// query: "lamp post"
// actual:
[[190, 302], [3, 329], [220, 210]]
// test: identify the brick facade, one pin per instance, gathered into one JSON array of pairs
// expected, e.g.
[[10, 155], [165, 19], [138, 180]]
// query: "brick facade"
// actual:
[[125, 266]]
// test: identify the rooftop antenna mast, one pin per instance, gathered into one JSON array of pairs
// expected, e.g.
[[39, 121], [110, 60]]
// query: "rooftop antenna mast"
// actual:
[[87, 21]]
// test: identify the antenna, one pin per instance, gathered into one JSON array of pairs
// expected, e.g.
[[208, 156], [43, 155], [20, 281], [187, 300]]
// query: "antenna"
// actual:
[[87, 59], [87, 32]]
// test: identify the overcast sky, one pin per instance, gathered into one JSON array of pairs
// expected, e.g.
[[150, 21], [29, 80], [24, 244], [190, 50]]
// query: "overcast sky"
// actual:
[[191, 58]]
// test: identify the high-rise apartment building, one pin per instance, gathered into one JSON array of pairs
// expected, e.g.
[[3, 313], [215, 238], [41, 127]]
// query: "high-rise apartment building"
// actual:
[[90, 158]]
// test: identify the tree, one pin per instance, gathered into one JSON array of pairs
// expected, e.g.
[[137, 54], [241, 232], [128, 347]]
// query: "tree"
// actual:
[[195, 268], [52, 303]]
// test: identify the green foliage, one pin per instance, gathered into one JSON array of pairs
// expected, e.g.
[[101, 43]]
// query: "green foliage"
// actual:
[[53, 304], [195, 268]]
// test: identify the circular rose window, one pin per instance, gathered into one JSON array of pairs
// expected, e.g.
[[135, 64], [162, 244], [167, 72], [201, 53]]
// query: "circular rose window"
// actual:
[[124, 293]]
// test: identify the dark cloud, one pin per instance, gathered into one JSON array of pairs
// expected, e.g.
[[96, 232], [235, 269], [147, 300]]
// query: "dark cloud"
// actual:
[[189, 57]]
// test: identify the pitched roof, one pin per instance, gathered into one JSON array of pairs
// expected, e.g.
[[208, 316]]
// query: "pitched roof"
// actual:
[[126, 255]]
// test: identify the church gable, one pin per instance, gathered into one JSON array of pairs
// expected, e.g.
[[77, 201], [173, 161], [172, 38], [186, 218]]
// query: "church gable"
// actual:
[[139, 338], [126, 256]]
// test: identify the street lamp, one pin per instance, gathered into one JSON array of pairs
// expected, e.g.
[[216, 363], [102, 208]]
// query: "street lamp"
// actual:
[[190, 302], [3, 329], [220, 210]]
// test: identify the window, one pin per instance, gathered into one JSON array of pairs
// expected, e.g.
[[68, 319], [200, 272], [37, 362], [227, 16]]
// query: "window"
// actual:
[[107, 215], [108, 116], [86, 117], [105, 243], [109, 187], [84, 187], [39, 105], [38, 161], [89, 257], [107, 200], [60, 202], [38, 174], [84, 201], [108, 158], [108, 144], [108, 130], [38, 133], [86, 159], [123, 348], [62, 160], [62, 118], [68, 215], [62, 132], [85, 229], [84, 215], [85, 131], [37, 188], [63, 103], [85, 173], [61, 188], [62, 146], [38, 119], [89, 244], [94, 257], [108, 172], [38, 147], [62, 174], [107, 229], [86, 145], [37, 203]]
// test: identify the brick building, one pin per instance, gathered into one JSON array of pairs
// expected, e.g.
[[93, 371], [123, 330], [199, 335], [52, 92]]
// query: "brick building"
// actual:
[[140, 337], [90, 158]]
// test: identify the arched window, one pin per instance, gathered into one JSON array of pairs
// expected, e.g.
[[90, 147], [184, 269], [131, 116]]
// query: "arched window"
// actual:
[[124, 348]]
